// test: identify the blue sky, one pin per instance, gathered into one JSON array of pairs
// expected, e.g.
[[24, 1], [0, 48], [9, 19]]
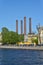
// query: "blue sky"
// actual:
[[10, 10]]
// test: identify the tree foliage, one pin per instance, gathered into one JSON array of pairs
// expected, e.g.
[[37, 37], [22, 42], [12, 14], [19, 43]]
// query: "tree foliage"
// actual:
[[35, 40], [10, 37], [21, 38], [5, 33]]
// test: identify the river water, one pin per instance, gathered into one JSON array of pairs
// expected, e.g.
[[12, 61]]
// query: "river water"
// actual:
[[20, 57]]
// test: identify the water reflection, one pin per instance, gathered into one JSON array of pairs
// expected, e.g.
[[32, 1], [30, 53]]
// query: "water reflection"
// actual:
[[20, 57]]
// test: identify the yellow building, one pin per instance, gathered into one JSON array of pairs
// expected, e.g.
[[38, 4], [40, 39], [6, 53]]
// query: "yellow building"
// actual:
[[28, 40], [31, 36]]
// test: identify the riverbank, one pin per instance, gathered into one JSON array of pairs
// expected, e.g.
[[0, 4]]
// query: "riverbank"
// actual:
[[23, 47]]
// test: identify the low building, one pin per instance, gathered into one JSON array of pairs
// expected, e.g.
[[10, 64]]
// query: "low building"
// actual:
[[31, 36], [28, 38]]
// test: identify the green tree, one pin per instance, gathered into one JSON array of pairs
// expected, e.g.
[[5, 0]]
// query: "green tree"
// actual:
[[5, 33], [13, 37], [9, 37], [21, 38], [35, 40]]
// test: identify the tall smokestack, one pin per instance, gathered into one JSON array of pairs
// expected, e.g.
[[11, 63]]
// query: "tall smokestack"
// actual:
[[30, 28], [17, 26], [24, 25], [21, 27]]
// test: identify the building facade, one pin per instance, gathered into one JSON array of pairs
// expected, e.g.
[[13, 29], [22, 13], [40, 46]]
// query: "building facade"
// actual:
[[40, 35], [31, 36]]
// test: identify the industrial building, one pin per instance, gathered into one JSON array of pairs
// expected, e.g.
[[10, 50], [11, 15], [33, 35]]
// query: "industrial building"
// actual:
[[21, 27], [27, 37], [17, 26], [31, 35]]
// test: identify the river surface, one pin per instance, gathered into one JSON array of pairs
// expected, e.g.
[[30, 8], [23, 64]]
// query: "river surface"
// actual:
[[20, 57]]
